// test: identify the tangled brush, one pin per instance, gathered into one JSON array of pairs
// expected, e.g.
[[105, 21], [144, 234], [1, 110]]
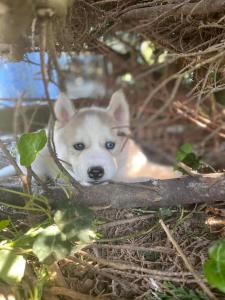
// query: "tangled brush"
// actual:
[[193, 30]]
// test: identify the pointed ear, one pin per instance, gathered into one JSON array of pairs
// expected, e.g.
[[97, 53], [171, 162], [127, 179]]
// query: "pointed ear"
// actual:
[[63, 108], [119, 109]]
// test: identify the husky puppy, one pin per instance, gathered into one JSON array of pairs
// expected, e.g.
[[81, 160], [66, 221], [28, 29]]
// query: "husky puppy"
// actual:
[[92, 145]]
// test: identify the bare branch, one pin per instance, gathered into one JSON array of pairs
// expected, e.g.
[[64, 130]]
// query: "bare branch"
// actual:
[[15, 165], [202, 8]]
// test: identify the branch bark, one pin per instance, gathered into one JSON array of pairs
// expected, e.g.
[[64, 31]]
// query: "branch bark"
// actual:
[[203, 8], [155, 193]]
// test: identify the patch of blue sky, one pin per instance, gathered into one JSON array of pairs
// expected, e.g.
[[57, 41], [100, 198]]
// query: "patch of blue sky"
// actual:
[[23, 79]]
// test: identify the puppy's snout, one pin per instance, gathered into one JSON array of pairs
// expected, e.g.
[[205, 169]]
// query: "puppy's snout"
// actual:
[[96, 173]]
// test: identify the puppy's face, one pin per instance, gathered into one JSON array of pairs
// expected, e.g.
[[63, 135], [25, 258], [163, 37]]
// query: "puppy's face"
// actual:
[[88, 140]]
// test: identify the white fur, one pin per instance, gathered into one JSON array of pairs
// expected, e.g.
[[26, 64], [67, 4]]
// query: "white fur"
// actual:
[[119, 108], [94, 127], [64, 109], [93, 134]]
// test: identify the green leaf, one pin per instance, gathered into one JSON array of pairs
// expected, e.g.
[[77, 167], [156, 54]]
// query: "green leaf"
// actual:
[[186, 148], [29, 145], [26, 240], [186, 155], [214, 267], [51, 243], [192, 161], [183, 151], [12, 267], [76, 222], [217, 251], [215, 273], [4, 224]]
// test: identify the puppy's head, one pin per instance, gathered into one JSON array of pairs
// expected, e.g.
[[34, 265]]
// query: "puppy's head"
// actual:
[[89, 140]]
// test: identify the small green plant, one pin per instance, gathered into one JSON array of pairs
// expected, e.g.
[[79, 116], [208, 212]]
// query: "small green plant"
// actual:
[[70, 229], [214, 267], [173, 292], [186, 155]]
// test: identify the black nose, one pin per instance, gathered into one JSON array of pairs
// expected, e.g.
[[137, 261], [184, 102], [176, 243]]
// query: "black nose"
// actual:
[[96, 173]]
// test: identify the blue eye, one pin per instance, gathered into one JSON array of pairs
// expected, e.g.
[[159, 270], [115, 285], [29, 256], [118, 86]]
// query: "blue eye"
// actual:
[[79, 146], [109, 145]]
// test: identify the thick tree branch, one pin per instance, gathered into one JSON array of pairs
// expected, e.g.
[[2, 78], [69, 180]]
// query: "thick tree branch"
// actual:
[[155, 193], [203, 8]]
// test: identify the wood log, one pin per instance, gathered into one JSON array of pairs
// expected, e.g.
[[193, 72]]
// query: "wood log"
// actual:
[[208, 188]]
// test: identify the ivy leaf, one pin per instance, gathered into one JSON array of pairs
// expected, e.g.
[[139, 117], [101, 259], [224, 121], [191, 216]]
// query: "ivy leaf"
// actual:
[[76, 222], [26, 240], [51, 244], [29, 145], [214, 267], [12, 267]]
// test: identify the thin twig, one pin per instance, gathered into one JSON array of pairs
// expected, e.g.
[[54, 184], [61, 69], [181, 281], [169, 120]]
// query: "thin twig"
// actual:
[[124, 221], [168, 276], [166, 104], [131, 267], [52, 151], [131, 247], [68, 292], [44, 72], [15, 165], [52, 54]]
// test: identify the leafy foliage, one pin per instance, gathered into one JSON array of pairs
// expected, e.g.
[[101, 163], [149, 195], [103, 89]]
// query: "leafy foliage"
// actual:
[[214, 267], [49, 241], [29, 145], [76, 223], [51, 245], [186, 155], [179, 292], [183, 151], [73, 224]]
